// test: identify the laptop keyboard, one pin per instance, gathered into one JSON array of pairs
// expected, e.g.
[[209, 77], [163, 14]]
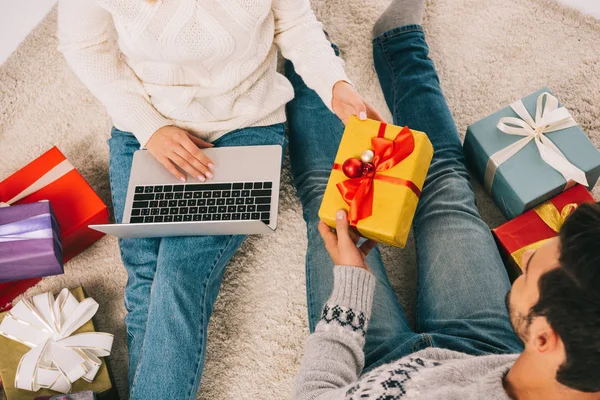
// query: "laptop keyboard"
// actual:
[[202, 202]]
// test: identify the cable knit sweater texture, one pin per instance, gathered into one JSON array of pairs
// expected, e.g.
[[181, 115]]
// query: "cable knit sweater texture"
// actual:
[[334, 358], [207, 66]]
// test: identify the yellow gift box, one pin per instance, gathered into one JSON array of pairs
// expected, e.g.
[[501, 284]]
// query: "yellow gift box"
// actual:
[[382, 201], [12, 351]]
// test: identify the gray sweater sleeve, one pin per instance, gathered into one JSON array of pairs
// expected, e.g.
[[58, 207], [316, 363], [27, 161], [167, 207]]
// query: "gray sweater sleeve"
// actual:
[[333, 354]]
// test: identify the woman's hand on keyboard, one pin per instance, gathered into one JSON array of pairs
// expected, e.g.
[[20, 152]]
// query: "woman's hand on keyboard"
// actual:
[[174, 147], [347, 101]]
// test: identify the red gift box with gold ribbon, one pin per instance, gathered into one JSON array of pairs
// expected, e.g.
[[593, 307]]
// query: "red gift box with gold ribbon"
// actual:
[[535, 227], [51, 177], [377, 177]]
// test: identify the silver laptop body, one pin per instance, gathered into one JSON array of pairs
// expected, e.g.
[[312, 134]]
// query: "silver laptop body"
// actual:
[[242, 198]]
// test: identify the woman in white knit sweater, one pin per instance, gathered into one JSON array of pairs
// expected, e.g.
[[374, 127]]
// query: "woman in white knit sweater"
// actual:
[[177, 76]]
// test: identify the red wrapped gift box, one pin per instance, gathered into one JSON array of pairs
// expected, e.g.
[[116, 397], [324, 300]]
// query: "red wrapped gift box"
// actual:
[[75, 205], [536, 226]]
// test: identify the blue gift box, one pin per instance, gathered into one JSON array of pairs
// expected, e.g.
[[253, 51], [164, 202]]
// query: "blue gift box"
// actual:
[[526, 180], [30, 244]]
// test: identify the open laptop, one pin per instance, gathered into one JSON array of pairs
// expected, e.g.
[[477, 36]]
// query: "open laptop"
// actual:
[[242, 198]]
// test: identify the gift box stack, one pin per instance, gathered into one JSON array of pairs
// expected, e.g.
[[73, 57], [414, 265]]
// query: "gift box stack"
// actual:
[[27, 252], [378, 175], [45, 210], [537, 164]]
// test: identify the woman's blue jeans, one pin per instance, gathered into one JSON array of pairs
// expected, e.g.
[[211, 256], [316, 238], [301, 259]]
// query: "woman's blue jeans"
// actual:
[[172, 284]]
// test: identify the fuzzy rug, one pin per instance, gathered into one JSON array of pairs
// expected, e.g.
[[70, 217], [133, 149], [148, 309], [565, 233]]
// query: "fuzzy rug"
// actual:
[[488, 54]]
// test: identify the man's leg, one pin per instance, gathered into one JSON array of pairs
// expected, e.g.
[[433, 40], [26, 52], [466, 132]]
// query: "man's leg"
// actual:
[[139, 255], [187, 281], [315, 133], [462, 281]]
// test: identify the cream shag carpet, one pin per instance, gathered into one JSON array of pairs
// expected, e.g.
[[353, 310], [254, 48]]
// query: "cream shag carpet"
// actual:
[[488, 54]]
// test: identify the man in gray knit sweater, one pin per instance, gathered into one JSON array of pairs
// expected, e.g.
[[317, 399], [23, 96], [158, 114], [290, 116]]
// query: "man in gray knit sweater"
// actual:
[[467, 343]]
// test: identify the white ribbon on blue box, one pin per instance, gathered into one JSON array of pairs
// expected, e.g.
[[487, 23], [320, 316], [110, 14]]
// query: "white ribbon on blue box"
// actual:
[[57, 357], [523, 161], [548, 118]]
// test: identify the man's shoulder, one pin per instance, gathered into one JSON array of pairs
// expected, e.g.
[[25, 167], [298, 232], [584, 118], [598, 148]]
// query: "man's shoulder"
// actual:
[[444, 355], [436, 373]]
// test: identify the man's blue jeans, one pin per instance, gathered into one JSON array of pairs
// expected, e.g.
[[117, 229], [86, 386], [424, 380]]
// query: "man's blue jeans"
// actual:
[[172, 284], [462, 282]]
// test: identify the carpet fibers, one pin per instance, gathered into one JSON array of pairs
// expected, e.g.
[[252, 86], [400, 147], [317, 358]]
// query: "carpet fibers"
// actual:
[[488, 54]]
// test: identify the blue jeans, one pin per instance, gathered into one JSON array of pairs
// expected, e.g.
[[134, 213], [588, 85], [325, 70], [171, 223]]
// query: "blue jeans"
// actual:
[[462, 282], [173, 283]]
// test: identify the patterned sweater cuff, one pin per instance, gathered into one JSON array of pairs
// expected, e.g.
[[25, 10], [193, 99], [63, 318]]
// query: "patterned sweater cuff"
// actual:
[[349, 308]]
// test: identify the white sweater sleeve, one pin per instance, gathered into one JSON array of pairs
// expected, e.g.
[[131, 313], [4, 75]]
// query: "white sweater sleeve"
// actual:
[[85, 33], [301, 39]]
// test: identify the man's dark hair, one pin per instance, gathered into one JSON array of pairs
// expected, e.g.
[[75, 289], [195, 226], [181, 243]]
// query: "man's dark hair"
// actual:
[[570, 299]]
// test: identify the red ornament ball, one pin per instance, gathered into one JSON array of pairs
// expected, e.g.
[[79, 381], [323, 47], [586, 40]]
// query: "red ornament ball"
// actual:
[[352, 168], [368, 168]]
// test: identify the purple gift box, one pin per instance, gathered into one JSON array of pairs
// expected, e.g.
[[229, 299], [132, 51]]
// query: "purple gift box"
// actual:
[[30, 245]]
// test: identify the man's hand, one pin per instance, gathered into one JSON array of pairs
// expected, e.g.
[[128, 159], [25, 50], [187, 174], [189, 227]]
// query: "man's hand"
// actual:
[[346, 102], [174, 147], [342, 247]]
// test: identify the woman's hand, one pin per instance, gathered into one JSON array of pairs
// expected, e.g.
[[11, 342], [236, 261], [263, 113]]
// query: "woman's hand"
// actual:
[[174, 147], [346, 102], [342, 245]]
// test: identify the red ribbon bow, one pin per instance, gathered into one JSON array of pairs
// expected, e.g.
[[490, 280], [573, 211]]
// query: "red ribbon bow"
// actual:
[[358, 192]]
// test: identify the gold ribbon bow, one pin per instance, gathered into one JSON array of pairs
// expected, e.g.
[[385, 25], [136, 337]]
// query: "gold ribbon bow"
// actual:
[[551, 217]]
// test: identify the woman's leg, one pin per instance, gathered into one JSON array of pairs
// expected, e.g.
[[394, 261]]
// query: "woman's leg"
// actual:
[[139, 255], [462, 281], [315, 133], [188, 278]]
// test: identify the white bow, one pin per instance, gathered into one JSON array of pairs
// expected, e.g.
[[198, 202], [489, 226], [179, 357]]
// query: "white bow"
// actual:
[[548, 118], [56, 358], [60, 170]]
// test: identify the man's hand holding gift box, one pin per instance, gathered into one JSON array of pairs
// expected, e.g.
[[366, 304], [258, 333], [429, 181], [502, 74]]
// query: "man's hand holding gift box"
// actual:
[[377, 177]]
